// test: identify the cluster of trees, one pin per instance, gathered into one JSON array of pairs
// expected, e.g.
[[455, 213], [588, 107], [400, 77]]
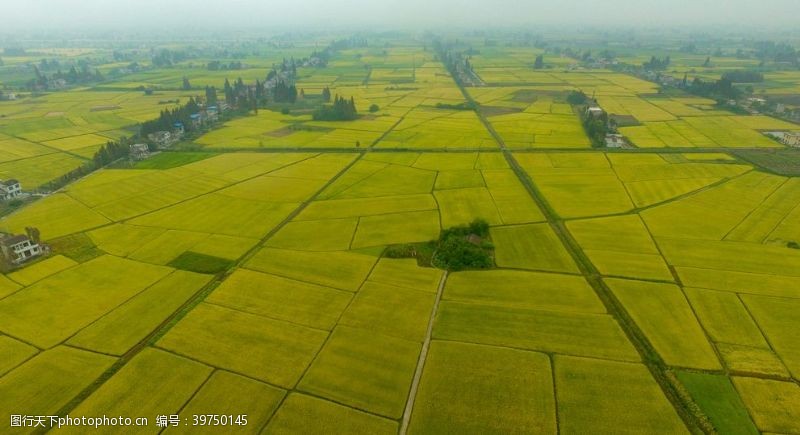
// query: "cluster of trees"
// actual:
[[322, 57], [111, 152], [656, 64], [596, 128], [595, 125], [288, 68], [73, 76], [780, 52], [167, 58], [743, 76], [216, 65], [721, 89], [49, 65], [459, 248], [284, 92], [211, 95], [168, 118], [464, 247], [576, 98], [340, 110], [539, 62], [238, 94]]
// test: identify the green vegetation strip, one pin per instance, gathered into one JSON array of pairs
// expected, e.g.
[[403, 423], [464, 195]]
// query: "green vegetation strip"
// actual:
[[190, 303], [694, 419]]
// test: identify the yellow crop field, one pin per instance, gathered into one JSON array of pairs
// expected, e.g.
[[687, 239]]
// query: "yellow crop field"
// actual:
[[392, 232], [66, 371]]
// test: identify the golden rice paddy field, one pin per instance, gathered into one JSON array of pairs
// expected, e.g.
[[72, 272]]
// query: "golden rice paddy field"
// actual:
[[42, 138], [637, 291]]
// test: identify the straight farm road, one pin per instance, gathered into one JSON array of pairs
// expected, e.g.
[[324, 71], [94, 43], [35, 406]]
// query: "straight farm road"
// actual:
[[197, 298], [690, 413]]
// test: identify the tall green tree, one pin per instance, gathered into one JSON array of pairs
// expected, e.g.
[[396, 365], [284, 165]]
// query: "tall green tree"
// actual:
[[539, 63]]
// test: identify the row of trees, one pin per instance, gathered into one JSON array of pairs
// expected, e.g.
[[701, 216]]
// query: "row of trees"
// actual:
[[595, 125], [72, 77], [721, 89], [777, 52], [111, 152], [744, 76], [216, 65], [167, 118]]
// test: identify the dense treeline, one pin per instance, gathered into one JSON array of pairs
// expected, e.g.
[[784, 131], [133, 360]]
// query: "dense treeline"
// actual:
[[721, 89], [284, 92], [168, 118], [743, 76], [656, 64], [465, 247], [74, 76], [340, 110], [110, 152], [776, 52], [167, 58], [216, 65], [596, 127]]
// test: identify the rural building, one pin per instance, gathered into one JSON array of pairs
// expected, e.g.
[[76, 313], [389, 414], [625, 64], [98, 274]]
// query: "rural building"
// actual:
[[791, 138], [212, 113], [594, 111], [139, 151], [615, 141], [197, 119], [17, 249], [10, 189], [161, 138], [788, 138]]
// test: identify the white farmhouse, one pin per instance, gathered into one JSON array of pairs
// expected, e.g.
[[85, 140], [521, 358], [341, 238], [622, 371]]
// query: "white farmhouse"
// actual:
[[18, 249], [10, 189]]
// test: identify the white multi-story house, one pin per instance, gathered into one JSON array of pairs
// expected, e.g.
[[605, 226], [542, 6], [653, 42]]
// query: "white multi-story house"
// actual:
[[791, 138], [10, 189], [139, 151], [18, 249]]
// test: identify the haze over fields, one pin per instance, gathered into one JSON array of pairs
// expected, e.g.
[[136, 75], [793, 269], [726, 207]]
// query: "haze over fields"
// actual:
[[409, 217], [86, 14]]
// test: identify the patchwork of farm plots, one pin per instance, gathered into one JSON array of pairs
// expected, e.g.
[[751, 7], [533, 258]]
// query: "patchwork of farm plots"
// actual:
[[693, 246], [333, 331], [701, 265], [43, 137], [261, 275], [519, 103], [410, 114]]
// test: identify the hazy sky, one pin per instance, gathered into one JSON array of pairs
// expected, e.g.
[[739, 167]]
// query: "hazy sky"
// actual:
[[87, 14]]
